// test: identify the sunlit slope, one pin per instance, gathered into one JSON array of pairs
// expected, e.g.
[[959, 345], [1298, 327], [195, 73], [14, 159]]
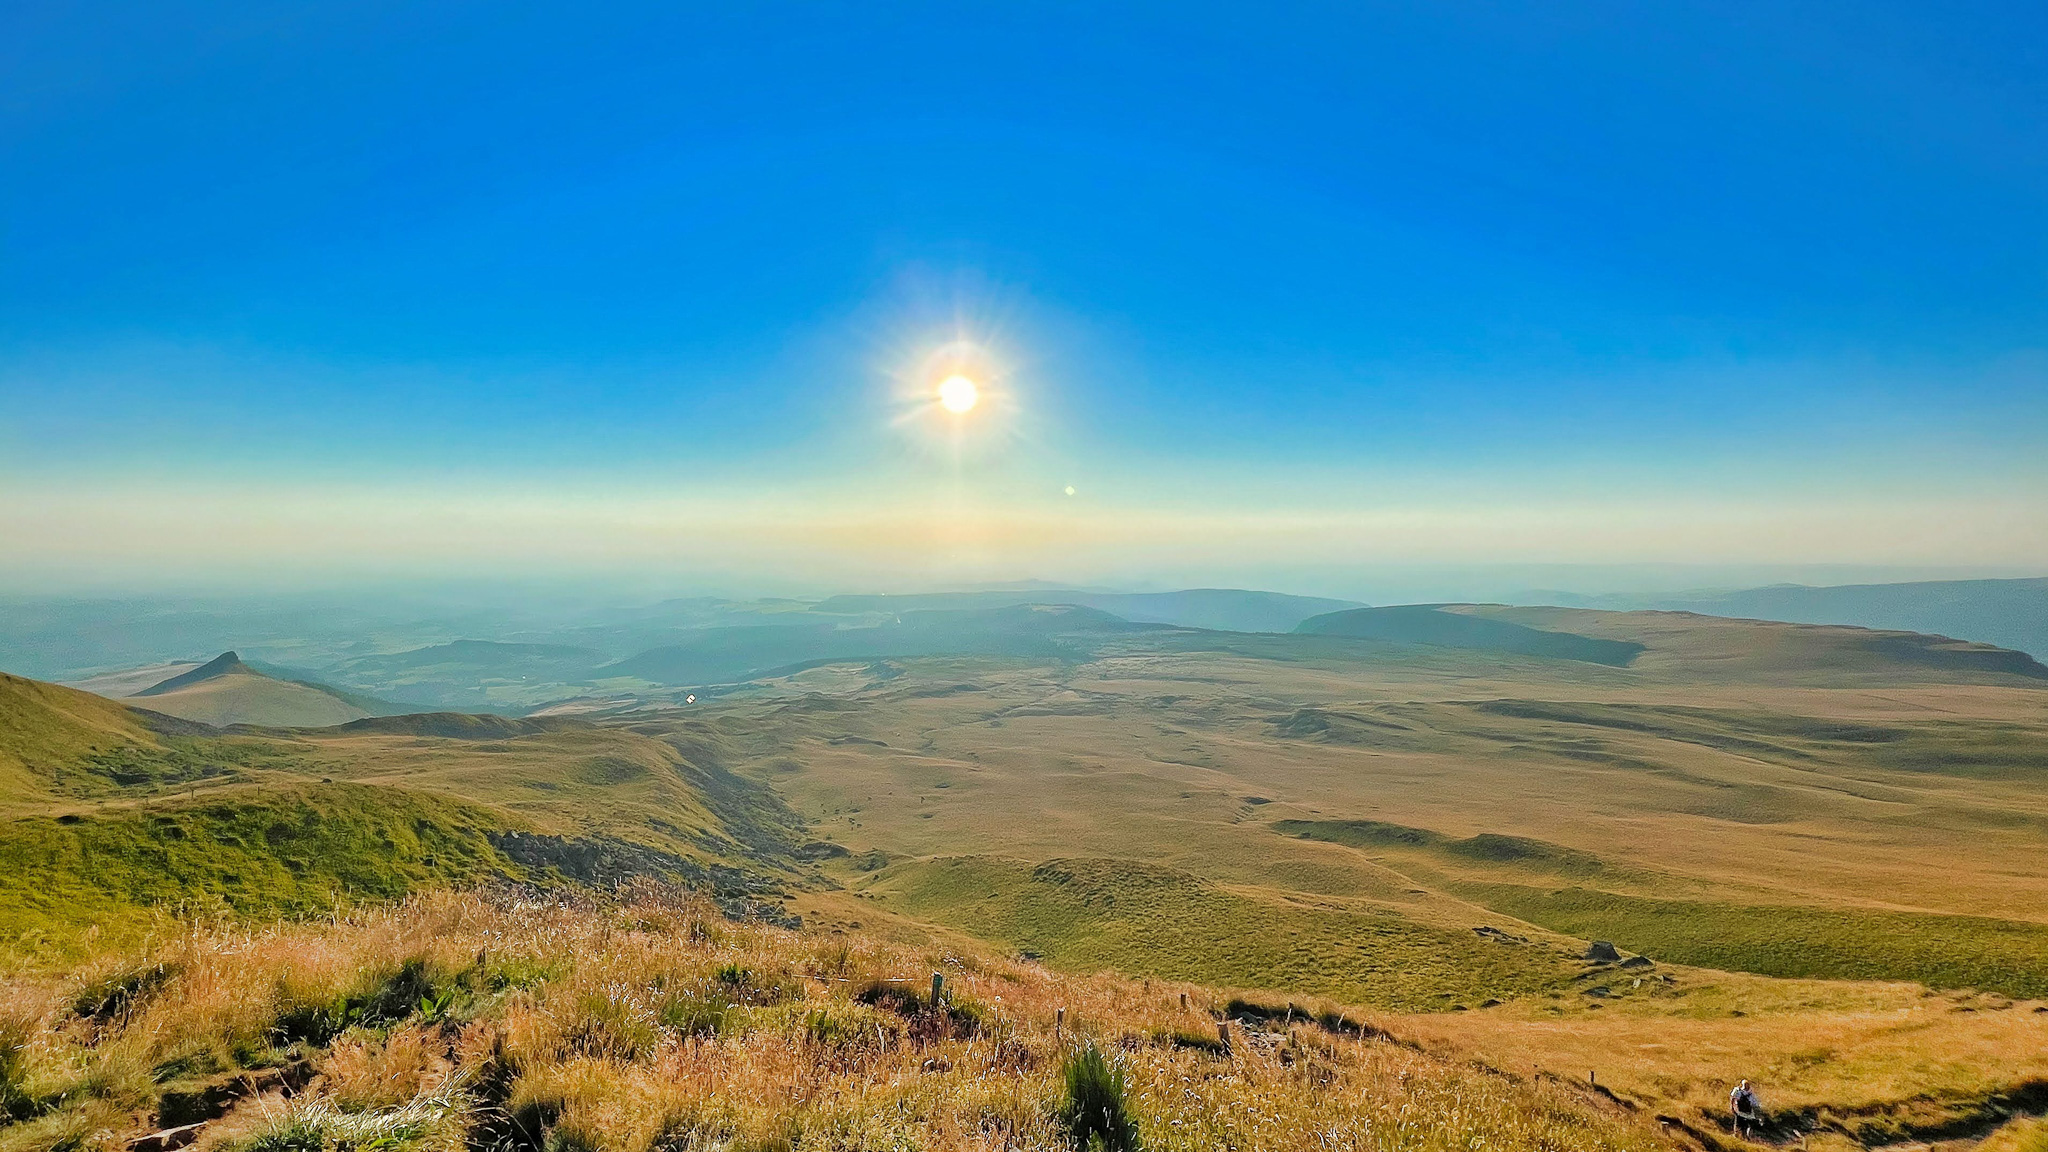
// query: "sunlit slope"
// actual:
[[1705, 647], [121, 816], [1432, 624], [1118, 914], [1681, 644], [46, 729], [670, 792], [1731, 783], [649, 1022], [287, 849], [225, 691], [2011, 613], [1576, 893]]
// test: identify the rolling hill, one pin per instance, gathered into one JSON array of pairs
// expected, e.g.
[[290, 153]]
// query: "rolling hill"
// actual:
[[224, 691], [1433, 624], [110, 814], [1410, 827], [47, 730], [2008, 613], [1676, 643], [1691, 644]]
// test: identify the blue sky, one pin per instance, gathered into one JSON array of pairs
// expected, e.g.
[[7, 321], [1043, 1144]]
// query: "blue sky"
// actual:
[[1346, 284]]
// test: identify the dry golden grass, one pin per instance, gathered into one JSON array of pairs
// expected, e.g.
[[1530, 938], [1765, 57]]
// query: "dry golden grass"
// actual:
[[2023, 1135], [651, 1023], [1878, 1060]]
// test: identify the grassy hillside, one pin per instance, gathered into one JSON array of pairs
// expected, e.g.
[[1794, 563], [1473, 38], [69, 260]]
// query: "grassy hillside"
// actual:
[[46, 729], [653, 1023], [1758, 798], [255, 699], [1092, 915], [1437, 625], [1690, 646], [671, 792], [118, 814], [1998, 955], [1572, 896], [224, 691], [2009, 613], [269, 852]]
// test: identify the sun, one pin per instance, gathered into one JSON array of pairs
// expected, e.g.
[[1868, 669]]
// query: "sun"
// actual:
[[958, 394]]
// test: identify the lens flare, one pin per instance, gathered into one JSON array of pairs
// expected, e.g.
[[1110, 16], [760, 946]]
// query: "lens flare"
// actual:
[[958, 394]]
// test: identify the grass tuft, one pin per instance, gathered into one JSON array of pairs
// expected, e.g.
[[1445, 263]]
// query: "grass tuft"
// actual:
[[1094, 1112]]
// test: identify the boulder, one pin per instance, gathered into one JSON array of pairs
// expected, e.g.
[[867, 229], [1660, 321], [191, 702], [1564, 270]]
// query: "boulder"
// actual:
[[1603, 951]]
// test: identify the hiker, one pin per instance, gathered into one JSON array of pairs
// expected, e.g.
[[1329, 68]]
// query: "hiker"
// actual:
[[1749, 1111]]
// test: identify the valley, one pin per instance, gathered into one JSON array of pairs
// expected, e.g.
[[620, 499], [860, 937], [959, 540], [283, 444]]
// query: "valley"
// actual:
[[1818, 850]]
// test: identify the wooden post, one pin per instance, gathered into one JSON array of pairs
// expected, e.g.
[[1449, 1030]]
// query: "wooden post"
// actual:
[[1223, 1034], [1183, 1001], [1593, 1079], [938, 987], [1059, 1021]]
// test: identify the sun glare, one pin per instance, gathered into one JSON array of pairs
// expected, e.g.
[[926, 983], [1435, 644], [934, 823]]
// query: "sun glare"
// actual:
[[958, 393]]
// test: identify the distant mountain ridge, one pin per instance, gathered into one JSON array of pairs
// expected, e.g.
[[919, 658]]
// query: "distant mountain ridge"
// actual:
[[1218, 609], [1673, 641], [2008, 613], [719, 655], [1430, 624]]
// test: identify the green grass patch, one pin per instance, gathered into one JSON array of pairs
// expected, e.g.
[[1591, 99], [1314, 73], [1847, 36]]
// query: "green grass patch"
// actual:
[[283, 852], [1142, 919], [2004, 956]]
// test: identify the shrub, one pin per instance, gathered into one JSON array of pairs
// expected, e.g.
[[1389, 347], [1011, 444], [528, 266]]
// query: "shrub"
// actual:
[[1094, 1107]]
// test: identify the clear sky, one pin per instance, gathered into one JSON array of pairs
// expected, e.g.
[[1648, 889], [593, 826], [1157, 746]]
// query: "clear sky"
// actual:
[[1281, 292]]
